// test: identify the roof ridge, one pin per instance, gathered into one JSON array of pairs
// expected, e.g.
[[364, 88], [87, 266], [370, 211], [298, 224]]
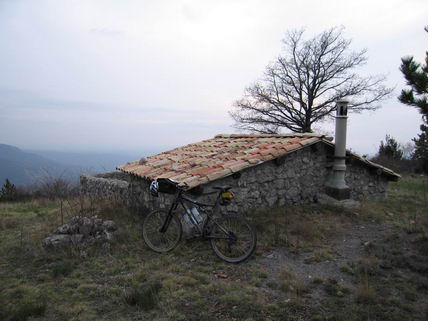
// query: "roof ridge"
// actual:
[[269, 135]]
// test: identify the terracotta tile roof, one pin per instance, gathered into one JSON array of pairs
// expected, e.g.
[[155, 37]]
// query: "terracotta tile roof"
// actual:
[[221, 156]]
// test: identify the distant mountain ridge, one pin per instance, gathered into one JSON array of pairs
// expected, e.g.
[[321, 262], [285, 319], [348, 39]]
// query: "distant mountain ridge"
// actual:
[[89, 161], [23, 168]]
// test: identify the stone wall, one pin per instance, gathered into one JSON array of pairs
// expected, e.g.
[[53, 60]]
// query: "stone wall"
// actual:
[[114, 186], [365, 182], [296, 178]]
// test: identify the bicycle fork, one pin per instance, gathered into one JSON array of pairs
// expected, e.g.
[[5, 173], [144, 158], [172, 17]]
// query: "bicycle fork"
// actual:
[[165, 224], [168, 217]]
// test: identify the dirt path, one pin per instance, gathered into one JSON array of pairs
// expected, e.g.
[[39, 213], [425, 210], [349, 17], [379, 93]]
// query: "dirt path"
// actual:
[[348, 246]]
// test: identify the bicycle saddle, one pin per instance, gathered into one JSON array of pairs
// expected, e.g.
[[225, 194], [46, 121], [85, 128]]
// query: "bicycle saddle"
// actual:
[[222, 188], [167, 181]]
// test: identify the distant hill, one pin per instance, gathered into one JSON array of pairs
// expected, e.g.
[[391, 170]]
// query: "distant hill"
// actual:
[[90, 162], [23, 168]]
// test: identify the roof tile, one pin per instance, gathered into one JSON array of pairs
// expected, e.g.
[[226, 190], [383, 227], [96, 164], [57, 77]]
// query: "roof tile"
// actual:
[[203, 171], [309, 141], [239, 165], [177, 177], [291, 147], [217, 174]]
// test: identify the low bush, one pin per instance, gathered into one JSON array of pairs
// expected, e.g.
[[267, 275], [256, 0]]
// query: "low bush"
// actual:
[[63, 268], [366, 294], [334, 288], [144, 296], [27, 309], [21, 304]]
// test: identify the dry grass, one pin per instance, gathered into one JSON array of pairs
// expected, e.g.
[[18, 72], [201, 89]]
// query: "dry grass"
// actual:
[[366, 294], [290, 283], [320, 255], [300, 228], [117, 283], [335, 288]]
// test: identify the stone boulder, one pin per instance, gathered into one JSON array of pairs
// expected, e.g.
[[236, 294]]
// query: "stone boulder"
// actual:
[[57, 240], [109, 226], [82, 231]]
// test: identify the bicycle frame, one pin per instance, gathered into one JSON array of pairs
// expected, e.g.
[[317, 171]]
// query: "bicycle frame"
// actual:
[[179, 200]]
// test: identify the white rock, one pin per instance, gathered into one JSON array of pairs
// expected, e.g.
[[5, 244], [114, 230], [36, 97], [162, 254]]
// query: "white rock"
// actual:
[[57, 240], [109, 226]]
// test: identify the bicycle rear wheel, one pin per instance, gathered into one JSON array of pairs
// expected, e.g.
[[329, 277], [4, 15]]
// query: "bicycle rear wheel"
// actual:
[[234, 239], [154, 239]]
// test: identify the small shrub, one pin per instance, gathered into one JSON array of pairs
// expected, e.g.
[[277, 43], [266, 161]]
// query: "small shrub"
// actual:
[[285, 274], [289, 283], [319, 256], [232, 299], [255, 281], [144, 296], [22, 303], [334, 288], [141, 275], [272, 284], [54, 188], [409, 291], [89, 289], [366, 294], [261, 273], [299, 287], [8, 223], [305, 229], [369, 266], [317, 281], [347, 269], [63, 268], [28, 308]]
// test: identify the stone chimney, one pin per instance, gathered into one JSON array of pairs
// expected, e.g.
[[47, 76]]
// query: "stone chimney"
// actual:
[[336, 186]]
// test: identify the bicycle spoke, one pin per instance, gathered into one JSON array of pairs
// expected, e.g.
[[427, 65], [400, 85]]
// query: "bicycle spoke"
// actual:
[[161, 241], [234, 240]]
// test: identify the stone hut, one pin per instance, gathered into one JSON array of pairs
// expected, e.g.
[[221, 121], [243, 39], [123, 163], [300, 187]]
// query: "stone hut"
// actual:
[[264, 170]]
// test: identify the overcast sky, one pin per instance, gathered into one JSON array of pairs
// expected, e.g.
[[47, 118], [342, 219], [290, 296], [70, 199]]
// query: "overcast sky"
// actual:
[[137, 75]]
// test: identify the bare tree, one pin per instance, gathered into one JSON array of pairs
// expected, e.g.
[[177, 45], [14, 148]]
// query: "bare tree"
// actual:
[[302, 85]]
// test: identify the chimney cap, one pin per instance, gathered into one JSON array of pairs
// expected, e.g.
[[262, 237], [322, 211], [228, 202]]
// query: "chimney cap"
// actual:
[[342, 108]]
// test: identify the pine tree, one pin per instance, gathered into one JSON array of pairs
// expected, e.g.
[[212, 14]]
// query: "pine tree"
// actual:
[[390, 149], [417, 78], [421, 149], [8, 192]]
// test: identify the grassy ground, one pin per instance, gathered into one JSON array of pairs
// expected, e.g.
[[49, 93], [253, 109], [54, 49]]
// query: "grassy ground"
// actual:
[[312, 263]]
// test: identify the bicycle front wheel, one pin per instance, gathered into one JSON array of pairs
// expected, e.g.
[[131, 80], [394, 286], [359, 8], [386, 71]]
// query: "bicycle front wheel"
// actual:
[[156, 240], [233, 239]]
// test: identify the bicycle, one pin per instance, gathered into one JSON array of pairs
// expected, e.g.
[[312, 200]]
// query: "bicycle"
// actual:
[[232, 237]]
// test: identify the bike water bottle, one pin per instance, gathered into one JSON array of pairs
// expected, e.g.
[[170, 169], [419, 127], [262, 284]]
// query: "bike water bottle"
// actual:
[[195, 213]]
